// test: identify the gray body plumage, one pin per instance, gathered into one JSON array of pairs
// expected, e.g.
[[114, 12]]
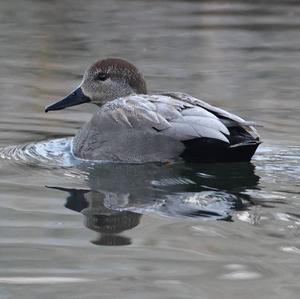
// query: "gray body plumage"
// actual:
[[153, 128]]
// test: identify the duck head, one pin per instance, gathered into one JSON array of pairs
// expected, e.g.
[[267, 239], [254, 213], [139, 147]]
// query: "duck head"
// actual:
[[104, 81]]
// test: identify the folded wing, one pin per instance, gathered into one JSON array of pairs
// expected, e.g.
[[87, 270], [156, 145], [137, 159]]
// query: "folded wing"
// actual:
[[181, 120], [230, 120]]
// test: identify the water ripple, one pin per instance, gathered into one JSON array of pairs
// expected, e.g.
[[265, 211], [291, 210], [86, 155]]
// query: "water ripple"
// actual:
[[53, 153]]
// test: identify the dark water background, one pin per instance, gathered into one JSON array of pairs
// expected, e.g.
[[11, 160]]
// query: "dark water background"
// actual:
[[80, 230]]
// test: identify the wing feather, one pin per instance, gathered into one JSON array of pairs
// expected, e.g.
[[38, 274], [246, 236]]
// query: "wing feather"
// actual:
[[227, 118], [171, 117], [205, 122], [196, 102]]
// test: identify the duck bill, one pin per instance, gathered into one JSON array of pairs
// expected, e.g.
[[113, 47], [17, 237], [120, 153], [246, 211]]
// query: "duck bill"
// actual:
[[76, 97]]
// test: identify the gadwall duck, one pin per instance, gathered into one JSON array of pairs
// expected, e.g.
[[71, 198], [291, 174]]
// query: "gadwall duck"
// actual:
[[135, 127]]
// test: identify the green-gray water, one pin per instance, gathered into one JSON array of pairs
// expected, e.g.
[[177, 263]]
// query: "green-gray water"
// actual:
[[81, 230]]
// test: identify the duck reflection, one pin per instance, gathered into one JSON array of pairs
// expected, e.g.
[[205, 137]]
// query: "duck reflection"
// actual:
[[119, 194], [109, 223]]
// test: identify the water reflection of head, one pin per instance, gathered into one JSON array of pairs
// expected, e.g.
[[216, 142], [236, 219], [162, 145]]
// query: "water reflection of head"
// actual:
[[100, 218]]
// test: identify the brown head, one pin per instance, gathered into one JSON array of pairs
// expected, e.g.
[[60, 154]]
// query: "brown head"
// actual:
[[104, 81]]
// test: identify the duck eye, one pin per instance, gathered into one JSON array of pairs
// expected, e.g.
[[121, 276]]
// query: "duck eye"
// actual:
[[101, 77]]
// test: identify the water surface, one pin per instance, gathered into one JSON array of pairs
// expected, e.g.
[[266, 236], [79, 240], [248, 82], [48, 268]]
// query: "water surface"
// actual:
[[70, 229]]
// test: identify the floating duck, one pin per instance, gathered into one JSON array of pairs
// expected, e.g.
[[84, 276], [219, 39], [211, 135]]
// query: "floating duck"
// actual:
[[133, 126]]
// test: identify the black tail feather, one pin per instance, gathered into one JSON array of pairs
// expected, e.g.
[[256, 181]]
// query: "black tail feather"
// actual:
[[212, 150]]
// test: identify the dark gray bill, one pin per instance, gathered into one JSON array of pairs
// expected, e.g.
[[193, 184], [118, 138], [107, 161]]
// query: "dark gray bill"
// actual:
[[76, 97]]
